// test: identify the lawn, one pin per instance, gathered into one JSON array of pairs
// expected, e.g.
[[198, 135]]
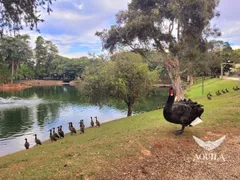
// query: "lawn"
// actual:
[[140, 147]]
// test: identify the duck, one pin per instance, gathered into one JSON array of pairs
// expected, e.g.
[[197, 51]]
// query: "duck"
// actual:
[[82, 126], [223, 91], [71, 128], [92, 122], [97, 122], [209, 94], [209, 97], [55, 134], [183, 112], [52, 137], [27, 145], [60, 132], [37, 141], [226, 90], [236, 88]]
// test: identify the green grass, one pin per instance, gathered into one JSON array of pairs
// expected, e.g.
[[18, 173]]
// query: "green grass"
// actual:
[[87, 155], [211, 85]]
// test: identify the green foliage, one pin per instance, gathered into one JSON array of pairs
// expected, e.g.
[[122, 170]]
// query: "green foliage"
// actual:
[[45, 53], [15, 51], [125, 77], [5, 73], [152, 23], [71, 68], [15, 13], [24, 72]]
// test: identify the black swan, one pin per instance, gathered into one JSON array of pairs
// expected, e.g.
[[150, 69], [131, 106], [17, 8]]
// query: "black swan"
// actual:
[[184, 112]]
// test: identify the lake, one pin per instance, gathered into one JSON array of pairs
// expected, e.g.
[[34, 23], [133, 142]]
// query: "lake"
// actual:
[[38, 109]]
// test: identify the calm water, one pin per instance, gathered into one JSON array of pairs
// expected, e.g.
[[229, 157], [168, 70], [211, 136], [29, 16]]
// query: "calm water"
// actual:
[[38, 109]]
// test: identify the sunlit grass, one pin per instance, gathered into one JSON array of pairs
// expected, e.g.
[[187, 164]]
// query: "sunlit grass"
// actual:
[[86, 155]]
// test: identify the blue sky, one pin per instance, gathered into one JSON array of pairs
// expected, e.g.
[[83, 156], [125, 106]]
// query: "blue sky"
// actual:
[[73, 23]]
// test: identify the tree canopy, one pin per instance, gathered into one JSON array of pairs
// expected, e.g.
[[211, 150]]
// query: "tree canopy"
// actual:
[[171, 27], [15, 51], [125, 77], [13, 13]]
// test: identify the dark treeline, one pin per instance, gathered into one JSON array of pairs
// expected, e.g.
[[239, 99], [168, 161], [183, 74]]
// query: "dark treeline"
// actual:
[[19, 61]]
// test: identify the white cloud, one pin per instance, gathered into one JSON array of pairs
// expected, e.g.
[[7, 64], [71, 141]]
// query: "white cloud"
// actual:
[[111, 5], [74, 55], [80, 6], [235, 47]]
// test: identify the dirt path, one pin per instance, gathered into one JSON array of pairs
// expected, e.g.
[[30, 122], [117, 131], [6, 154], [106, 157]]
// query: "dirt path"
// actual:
[[164, 159]]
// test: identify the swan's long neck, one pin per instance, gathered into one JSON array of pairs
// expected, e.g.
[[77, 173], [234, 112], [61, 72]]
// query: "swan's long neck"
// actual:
[[169, 103]]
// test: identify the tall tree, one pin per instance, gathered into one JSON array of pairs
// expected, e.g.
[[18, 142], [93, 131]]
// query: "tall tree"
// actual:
[[13, 13], [125, 77], [15, 51], [168, 26], [45, 53]]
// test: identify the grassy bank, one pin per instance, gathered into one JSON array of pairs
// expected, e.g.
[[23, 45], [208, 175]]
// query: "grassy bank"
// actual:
[[139, 147]]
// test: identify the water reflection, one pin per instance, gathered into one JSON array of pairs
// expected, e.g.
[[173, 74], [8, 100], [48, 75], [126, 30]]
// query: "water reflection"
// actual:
[[38, 109]]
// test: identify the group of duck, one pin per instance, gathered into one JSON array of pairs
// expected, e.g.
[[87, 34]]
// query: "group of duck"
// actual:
[[220, 92], [54, 136]]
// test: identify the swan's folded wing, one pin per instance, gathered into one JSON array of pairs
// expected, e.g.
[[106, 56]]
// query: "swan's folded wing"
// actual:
[[180, 109]]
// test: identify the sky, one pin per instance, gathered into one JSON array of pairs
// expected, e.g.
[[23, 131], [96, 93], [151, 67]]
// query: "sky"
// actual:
[[73, 23]]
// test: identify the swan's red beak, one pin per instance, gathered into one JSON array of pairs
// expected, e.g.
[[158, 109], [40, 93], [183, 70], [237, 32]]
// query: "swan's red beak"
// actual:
[[171, 92]]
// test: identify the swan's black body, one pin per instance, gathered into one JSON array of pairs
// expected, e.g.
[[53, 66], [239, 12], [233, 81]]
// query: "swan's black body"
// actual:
[[184, 112]]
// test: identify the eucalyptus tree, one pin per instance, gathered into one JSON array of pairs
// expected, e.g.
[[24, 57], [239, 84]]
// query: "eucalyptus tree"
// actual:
[[45, 53], [15, 13], [125, 77], [167, 26], [15, 51]]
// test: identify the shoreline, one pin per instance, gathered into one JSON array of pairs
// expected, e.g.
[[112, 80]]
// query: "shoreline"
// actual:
[[13, 87], [30, 83], [47, 82]]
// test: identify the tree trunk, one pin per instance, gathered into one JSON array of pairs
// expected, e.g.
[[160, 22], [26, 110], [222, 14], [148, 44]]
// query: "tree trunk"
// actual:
[[191, 80], [130, 105], [12, 72], [172, 66]]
